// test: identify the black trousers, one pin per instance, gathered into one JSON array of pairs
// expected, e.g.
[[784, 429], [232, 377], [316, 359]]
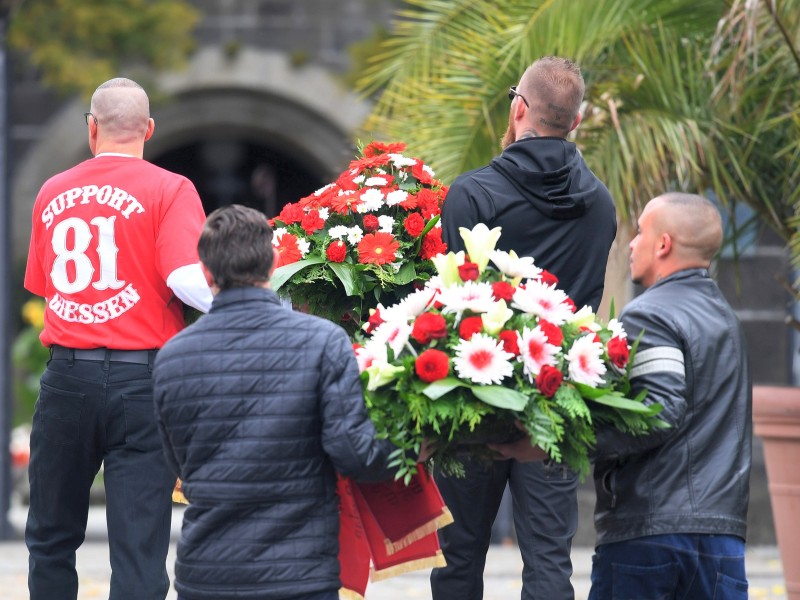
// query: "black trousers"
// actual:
[[545, 517], [87, 413]]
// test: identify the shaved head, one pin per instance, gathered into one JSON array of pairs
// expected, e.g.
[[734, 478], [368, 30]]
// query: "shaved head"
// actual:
[[122, 110], [693, 222], [554, 88]]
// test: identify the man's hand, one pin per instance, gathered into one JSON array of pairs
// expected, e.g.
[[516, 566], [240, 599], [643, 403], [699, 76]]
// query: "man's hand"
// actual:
[[426, 450], [521, 450]]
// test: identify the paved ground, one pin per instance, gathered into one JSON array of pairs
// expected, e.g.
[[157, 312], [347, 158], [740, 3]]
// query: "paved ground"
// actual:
[[501, 576]]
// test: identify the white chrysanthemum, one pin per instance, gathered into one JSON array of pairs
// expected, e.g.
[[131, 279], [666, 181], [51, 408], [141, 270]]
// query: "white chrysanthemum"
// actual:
[[402, 175], [481, 359], [385, 223], [371, 201], [514, 266], [372, 351], [354, 234], [417, 302], [428, 170], [472, 295], [396, 197], [359, 179], [304, 245], [616, 329], [278, 234], [377, 182], [394, 332], [585, 361], [322, 190], [536, 351], [546, 302], [400, 161], [337, 232], [324, 213]]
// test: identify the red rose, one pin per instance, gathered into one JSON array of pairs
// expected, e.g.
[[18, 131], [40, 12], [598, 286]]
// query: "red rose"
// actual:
[[548, 278], [617, 349], [510, 341], [502, 290], [469, 327], [336, 251], [414, 224], [468, 271], [371, 223], [432, 365], [548, 380], [432, 244], [311, 222], [429, 326], [552, 332], [290, 213]]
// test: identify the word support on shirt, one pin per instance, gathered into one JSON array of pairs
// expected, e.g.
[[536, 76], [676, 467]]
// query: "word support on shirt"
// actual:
[[116, 198]]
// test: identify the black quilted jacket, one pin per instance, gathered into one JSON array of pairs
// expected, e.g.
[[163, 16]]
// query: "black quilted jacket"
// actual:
[[258, 406]]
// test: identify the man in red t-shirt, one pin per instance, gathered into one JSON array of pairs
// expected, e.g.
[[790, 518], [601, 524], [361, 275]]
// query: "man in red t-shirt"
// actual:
[[114, 253]]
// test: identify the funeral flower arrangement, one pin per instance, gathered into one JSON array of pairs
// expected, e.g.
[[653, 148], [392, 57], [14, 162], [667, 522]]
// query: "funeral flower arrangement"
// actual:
[[482, 349], [369, 236]]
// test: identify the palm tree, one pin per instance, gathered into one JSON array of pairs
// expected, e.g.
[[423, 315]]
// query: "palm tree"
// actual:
[[691, 95]]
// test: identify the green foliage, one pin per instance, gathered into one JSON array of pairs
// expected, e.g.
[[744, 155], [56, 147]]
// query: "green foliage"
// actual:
[[690, 95], [77, 44], [29, 358]]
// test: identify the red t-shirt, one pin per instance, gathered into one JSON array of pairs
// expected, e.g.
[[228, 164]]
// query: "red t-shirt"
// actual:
[[106, 235]]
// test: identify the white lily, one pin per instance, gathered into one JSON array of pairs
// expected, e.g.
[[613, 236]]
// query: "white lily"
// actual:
[[585, 318], [480, 242], [513, 266], [447, 267], [496, 317], [381, 373]]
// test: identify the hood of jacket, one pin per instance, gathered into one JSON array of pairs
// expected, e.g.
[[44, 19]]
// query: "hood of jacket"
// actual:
[[548, 172]]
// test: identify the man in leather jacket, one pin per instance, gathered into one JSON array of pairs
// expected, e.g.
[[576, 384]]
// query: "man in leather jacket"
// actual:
[[671, 511]]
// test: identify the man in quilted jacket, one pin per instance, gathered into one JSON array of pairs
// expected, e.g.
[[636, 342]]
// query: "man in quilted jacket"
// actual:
[[258, 407]]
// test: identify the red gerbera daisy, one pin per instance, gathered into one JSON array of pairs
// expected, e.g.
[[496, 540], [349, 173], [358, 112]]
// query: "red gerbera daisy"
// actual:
[[288, 249], [377, 248]]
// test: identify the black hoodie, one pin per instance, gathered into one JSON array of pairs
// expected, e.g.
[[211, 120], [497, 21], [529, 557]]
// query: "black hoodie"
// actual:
[[550, 206]]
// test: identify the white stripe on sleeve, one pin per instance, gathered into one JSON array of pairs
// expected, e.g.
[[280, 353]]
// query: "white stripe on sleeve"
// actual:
[[661, 359]]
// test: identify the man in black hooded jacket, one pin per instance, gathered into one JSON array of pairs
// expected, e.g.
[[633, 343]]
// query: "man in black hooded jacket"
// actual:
[[551, 207]]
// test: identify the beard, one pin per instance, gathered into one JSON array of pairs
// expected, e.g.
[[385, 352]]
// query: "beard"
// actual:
[[509, 137]]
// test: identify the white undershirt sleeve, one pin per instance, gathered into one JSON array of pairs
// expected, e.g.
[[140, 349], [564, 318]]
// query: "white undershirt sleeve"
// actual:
[[189, 284]]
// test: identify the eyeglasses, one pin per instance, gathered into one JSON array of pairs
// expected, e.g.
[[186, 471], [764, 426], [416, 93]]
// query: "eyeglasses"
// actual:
[[512, 91], [86, 116]]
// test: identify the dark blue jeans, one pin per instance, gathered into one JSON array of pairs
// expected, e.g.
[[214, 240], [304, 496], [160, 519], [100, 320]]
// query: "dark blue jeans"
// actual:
[[545, 505], [334, 595], [670, 567], [90, 412]]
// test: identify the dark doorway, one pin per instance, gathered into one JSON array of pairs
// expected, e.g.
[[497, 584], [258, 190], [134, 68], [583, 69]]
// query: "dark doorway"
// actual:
[[228, 171]]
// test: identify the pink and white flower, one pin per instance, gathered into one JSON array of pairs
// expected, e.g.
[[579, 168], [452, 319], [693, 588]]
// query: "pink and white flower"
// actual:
[[471, 295], [585, 359], [545, 301], [536, 351], [394, 333], [481, 359]]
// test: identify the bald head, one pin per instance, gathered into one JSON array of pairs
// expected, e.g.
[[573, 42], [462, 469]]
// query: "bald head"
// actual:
[[122, 110], [693, 222], [554, 88]]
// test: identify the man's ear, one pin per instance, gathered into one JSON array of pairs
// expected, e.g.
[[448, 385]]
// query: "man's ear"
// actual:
[[207, 274], [151, 127], [665, 245], [576, 122]]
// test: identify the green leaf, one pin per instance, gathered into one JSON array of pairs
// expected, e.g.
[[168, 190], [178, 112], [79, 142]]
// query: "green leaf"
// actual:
[[500, 397], [406, 274], [439, 388], [623, 403], [347, 275], [284, 273]]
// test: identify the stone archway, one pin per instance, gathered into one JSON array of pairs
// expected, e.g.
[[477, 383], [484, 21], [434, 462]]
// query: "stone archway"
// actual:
[[255, 102]]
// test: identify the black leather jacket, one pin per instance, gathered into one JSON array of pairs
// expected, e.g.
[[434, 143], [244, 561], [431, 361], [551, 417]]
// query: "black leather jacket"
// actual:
[[693, 477]]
